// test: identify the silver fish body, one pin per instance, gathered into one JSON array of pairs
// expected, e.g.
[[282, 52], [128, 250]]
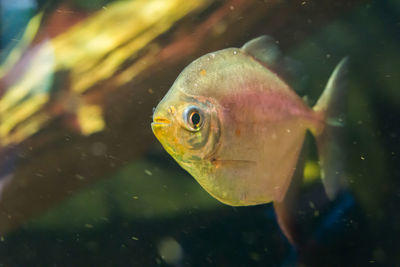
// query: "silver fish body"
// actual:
[[236, 126]]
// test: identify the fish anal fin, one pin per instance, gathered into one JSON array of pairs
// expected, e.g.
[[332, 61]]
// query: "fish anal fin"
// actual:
[[287, 210]]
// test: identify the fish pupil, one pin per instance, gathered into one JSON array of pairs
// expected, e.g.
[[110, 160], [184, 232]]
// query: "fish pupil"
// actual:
[[195, 118]]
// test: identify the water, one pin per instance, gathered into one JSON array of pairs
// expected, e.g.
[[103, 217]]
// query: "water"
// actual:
[[85, 183]]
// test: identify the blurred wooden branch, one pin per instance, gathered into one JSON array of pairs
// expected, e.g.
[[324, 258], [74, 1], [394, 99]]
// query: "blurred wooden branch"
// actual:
[[112, 68]]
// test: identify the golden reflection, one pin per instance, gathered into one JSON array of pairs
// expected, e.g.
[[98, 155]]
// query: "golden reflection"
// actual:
[[19, 113], [124, 28], [90, 119], [311, 171], [36, 80], [90, 52]]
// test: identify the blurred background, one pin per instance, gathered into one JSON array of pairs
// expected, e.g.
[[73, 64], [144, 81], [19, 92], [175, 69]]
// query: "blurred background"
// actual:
[[83, 181]]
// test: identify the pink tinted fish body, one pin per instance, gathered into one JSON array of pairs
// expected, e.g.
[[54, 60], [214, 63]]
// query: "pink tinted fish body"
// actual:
[[262, 127], [236, 126]]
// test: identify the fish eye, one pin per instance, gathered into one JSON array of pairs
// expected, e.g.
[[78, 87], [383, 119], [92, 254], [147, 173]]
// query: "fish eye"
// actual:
[[193, 118]]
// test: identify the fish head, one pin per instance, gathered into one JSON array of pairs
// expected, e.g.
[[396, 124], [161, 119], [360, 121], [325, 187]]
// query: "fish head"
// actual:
[[187, 127]]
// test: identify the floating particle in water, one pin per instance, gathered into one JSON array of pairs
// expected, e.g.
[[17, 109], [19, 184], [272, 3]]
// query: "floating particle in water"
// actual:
[[255, 256], [79, 177], [149, 173], [379, 255], [170, 250], [98, 149]]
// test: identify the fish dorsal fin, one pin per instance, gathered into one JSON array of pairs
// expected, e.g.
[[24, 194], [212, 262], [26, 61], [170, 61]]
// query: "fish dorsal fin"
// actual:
[[264, 49]]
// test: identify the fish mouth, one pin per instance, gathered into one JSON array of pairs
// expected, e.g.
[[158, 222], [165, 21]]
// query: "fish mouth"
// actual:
[[160, 126], [160, 121]]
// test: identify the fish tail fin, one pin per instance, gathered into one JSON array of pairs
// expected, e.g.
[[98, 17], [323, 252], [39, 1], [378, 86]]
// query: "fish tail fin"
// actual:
[[329, 108]]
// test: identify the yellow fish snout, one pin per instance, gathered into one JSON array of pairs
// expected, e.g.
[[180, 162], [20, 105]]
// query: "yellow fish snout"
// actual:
[[160, 127], [164, 128]]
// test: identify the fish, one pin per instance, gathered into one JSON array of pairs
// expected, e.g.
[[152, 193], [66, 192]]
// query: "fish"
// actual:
[[233, 123]]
